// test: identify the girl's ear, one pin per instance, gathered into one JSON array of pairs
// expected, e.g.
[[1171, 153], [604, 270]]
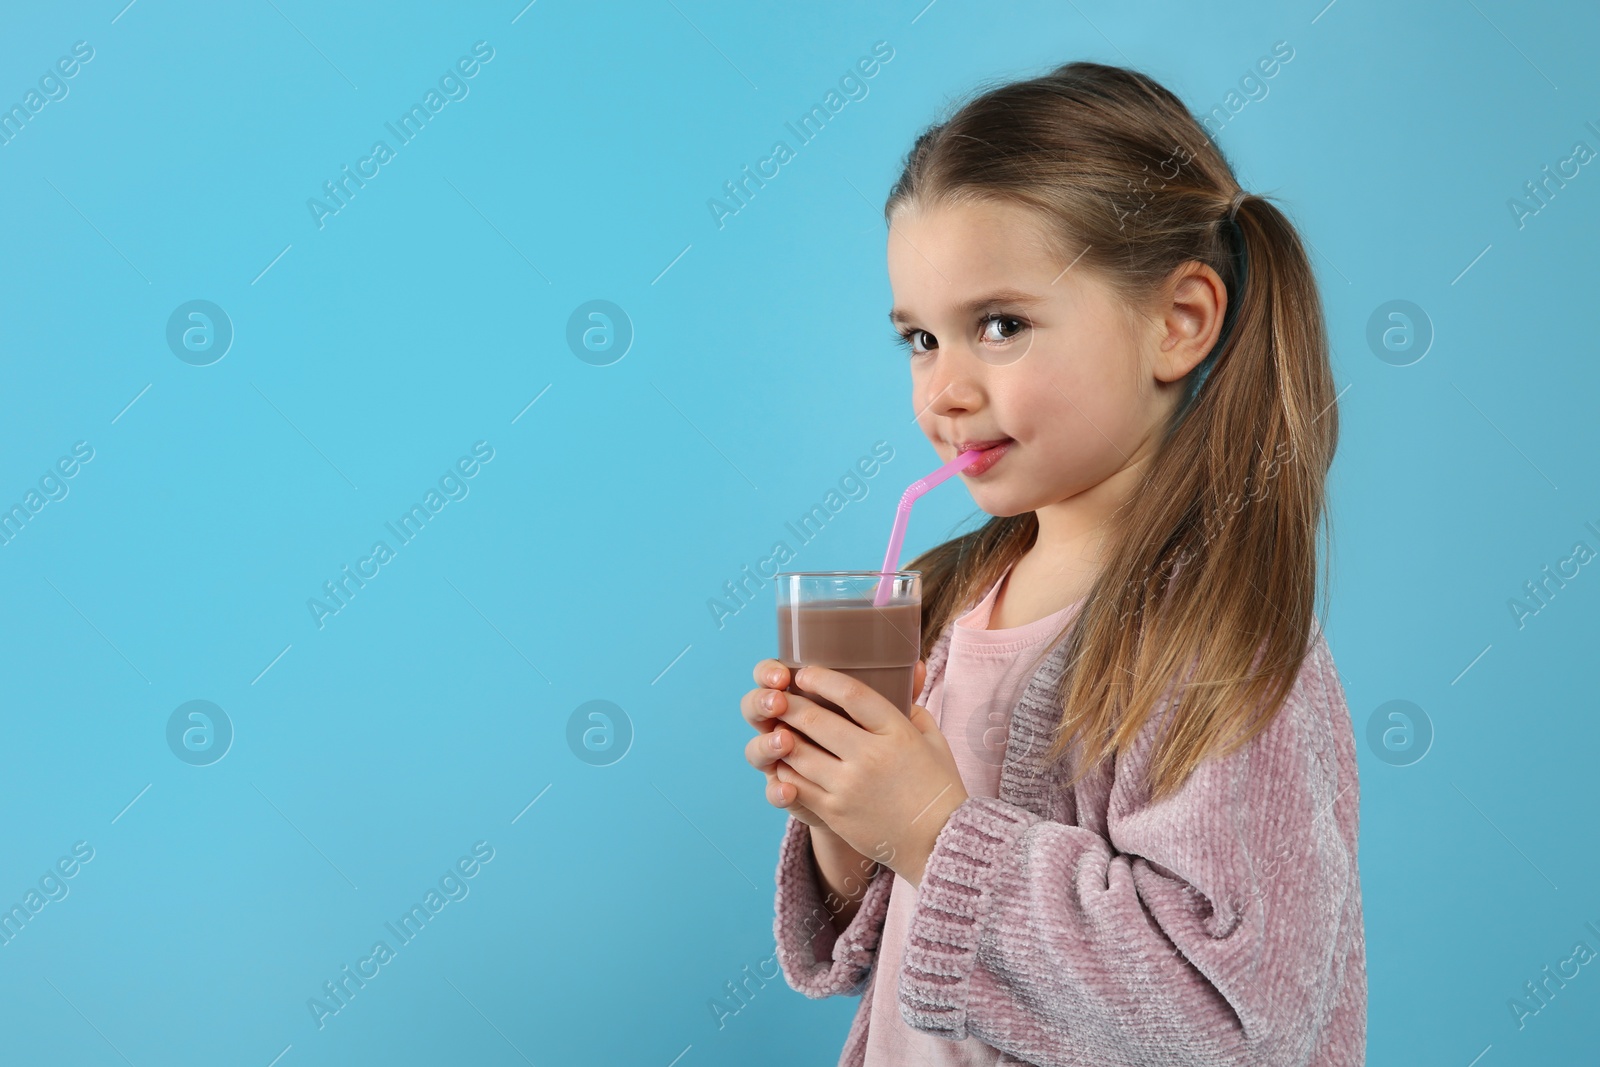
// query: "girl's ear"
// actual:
[[1195, 301], [918, 678]]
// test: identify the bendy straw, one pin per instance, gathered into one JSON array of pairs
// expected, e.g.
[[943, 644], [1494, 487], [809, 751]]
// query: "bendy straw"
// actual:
[[891, 559]]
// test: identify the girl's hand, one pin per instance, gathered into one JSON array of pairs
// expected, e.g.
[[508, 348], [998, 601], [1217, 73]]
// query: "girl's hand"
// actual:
[[887, 785], [774, 678]]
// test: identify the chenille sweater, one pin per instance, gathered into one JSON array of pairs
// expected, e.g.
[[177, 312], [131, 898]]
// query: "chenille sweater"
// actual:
[[1086, 926]]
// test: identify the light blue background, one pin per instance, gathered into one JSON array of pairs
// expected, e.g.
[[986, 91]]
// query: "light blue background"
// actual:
[[371, 753]]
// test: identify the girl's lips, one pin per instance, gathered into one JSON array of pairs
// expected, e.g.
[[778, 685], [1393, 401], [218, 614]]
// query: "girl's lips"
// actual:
[[990, 457]]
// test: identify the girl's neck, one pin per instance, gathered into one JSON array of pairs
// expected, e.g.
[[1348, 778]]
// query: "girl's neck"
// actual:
[[1039, 584], [1068, 551]]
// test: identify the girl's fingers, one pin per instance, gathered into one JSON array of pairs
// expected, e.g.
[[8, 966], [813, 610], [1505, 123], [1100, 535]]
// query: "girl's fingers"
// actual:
[[779, 794], [803, 758], [753, 706], [772, 674], [826, 728], [759, 750]]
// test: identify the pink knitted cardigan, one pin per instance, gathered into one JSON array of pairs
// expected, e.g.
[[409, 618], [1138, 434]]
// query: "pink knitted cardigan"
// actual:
[[1221, 926]]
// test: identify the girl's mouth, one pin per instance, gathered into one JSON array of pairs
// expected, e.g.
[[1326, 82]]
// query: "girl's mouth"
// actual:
[[990, 457]]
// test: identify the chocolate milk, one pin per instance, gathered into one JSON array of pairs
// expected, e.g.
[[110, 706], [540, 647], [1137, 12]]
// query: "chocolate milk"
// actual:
[[878, 646]]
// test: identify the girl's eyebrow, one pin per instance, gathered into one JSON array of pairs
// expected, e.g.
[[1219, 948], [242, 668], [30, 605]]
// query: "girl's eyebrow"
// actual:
[[899, 316]]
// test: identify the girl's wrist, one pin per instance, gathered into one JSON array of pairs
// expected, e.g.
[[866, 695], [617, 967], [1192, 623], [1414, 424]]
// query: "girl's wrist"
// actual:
[[843, 874], [826, 843]]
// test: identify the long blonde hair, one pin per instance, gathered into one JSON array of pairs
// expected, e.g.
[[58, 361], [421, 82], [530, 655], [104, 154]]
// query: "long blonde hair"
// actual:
[[1209, 584]]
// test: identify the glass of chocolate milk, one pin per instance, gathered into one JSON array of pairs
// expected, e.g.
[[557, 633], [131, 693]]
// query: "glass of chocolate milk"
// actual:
[[828, 619]]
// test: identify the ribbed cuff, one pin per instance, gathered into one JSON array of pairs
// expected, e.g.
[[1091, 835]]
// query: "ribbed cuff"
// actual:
[[816, 961], [942, 939]]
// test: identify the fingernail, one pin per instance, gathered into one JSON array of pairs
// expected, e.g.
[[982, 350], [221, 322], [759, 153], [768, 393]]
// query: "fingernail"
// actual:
[[769, 700], [774, 677], [776, 742]]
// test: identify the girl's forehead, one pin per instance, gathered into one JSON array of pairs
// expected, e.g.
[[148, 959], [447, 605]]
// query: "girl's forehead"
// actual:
[[981, 240], [934, 273]]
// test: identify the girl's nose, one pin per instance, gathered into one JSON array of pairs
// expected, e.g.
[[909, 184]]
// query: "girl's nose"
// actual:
[[953, 386]]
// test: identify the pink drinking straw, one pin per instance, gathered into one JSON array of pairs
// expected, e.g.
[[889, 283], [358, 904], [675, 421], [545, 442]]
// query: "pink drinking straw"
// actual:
[[891, 559]]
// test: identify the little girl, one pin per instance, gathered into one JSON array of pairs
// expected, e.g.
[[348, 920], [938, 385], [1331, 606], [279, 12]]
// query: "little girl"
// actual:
[[1119, 825]]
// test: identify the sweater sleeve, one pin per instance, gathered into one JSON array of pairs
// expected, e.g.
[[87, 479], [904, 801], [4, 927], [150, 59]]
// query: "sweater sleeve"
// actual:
[[1214, 928], [815, 960]]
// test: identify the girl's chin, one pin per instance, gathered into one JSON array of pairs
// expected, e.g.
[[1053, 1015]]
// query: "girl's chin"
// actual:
[[999, 504]]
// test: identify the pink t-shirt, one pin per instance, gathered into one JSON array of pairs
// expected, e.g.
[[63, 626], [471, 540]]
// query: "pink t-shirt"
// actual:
[[971, 701]]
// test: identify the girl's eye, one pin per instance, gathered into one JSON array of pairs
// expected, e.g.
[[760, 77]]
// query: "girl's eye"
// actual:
[[912, 337], [1008, 327], [994, 329]]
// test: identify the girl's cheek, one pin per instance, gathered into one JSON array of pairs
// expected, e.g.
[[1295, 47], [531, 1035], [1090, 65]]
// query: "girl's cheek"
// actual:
[[1098, 394]]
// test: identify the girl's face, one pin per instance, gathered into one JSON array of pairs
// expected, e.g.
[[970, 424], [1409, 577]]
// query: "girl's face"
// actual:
[[1007, 340]]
